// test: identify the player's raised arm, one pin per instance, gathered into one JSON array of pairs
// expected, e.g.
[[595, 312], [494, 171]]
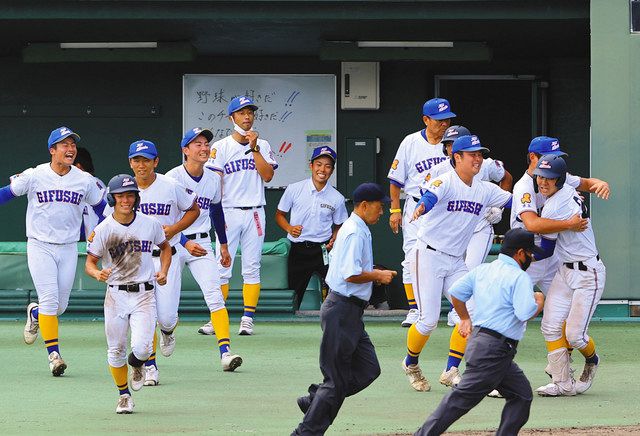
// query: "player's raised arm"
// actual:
[[537, 224], [595, 186]]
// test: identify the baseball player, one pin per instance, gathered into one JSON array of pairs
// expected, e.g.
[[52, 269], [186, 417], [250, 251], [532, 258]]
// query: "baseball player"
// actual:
[[175, 208], [199, 254], [417, 153], [89, 218], [577, 285], [454, 203], [124, 242], [245, 162], [57, 193], [479, 245], [317, 212]]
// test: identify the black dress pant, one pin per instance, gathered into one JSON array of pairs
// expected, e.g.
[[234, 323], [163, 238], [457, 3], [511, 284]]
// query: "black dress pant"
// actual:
[[489, 366], [305, 259], [348, 362]]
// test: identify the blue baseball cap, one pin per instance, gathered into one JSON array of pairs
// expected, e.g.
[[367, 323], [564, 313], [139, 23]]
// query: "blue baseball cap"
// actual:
[[454, 132], [370, 192], [323, 151], [468, 143], [61, 133], [241, 102], [438, 109], [546, 145], [143, 148], [192, 134]]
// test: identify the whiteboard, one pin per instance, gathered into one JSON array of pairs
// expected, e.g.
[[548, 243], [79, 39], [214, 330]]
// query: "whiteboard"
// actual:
[[296, 113]]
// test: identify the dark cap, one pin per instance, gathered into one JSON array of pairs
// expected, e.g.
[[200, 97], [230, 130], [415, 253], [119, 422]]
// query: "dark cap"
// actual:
[[370, 192], [454, 132], [323, 151], [520, 238]]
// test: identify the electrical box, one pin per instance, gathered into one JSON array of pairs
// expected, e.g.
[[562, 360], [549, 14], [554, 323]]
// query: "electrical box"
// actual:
[[360, 87], [361, 162]]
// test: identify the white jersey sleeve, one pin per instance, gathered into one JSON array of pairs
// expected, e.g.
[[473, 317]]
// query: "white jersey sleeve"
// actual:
[[286, 201], [435, 171], [267, 154], [398, 170], [341, 214], [158, 233], [498, 197], [573, 181], [439, 187], [95, 192], [20, 183], [493, 170], [525, 199], [217, 158], [95, 242], [184, 197]]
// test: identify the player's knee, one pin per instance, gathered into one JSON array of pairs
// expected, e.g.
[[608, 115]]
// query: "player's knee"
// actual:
[[117, 356], [425, 327], [62, 308], [168, 322], [216, 305], [551, 331], [141, 352], [575, 338]]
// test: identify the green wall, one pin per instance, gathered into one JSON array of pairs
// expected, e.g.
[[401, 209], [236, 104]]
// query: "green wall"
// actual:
[[57, 94], [615, 105]]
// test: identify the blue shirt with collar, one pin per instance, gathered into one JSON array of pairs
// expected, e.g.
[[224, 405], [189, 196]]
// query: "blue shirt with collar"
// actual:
[[351, 255], [503, 295]]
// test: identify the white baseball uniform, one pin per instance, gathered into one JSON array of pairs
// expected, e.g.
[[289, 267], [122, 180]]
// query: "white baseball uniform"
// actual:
[[126, 249], [90, 218], [443, 237], [579, 282], [166, 200], [243, 201], [527, 199], [205, 268], [54, 214], [413, 160]]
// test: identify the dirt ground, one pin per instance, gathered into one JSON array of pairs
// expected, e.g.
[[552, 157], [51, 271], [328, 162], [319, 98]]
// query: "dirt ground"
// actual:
[[618, 430]]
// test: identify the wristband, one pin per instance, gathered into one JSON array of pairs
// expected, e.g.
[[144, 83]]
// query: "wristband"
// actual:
[[395, 210]]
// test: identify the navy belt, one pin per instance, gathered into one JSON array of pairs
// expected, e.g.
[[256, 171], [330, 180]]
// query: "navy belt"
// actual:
[[156, 253], [497, 335], [579, 265], [135, 287], [248, 207], [308, 244], [353, 300], [196, 236]]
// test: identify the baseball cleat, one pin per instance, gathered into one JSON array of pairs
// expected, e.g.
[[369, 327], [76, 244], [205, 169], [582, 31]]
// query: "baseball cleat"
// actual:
[[207, 329], [556, 390], [167, 343], [495, 394], [246, 326], [304, 403], [412, 318], [416, 379], [56, 364], [230, 361], [586, 378], [31, 327], [125, 404], [137, 377], [151, 376], [451, 377]]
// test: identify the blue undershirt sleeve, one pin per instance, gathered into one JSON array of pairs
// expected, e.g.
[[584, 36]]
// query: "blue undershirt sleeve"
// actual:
[[429, 199], [548, 245], [217, 220], [99, 210], [6, 194]]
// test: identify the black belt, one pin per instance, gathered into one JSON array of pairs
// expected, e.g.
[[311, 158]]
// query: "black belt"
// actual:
[[309, 244], [429, 247], [248, 207], [497, 335], [156, 253], [196, 236], [353, 300], [416, 199], [581, 265], [135, 287]]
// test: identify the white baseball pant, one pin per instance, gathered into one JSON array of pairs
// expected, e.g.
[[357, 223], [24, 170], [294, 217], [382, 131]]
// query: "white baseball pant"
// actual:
[[122, 310], [573, 297], [168, 295], [205, 271], [53, 269], [409, 237], [433, 274], [543, 271], [479, 247], [245, 228]]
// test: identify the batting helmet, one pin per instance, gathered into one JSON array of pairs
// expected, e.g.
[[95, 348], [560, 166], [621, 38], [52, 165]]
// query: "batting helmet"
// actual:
[[451, 134], [122, 183], [551, 166]]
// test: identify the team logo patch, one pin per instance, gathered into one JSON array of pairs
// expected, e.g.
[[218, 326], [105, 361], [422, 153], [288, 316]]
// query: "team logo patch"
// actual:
[[127, 182], [244, 100], [555, 145], [475, 140], [526, 199], [436, 183], [427, 177], [91, 236], [394, 164], [141, 146], [442, 107], [189, 191], [544, 165], [64, 131], [213, 153]]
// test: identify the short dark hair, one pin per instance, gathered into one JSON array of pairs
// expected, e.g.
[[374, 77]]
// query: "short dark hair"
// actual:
[[83, 157], [538, 155]]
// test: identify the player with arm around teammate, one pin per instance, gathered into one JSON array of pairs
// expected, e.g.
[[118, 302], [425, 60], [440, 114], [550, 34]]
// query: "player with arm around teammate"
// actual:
[[245, 162], [576, 288], [124, 242], [175, 208], [89, 217], [199, 256], [57, 193], [453, 205], [317, 212], [417, 153]]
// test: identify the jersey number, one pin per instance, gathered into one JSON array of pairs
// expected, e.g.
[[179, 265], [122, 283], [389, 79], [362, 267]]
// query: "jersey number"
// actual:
[[585, 211]]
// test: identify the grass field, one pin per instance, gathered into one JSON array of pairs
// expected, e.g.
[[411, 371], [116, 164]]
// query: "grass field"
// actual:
[[280, 361]]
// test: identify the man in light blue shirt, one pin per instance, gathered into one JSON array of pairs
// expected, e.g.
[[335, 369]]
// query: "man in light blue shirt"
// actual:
[[504, 302], [348, 359]]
